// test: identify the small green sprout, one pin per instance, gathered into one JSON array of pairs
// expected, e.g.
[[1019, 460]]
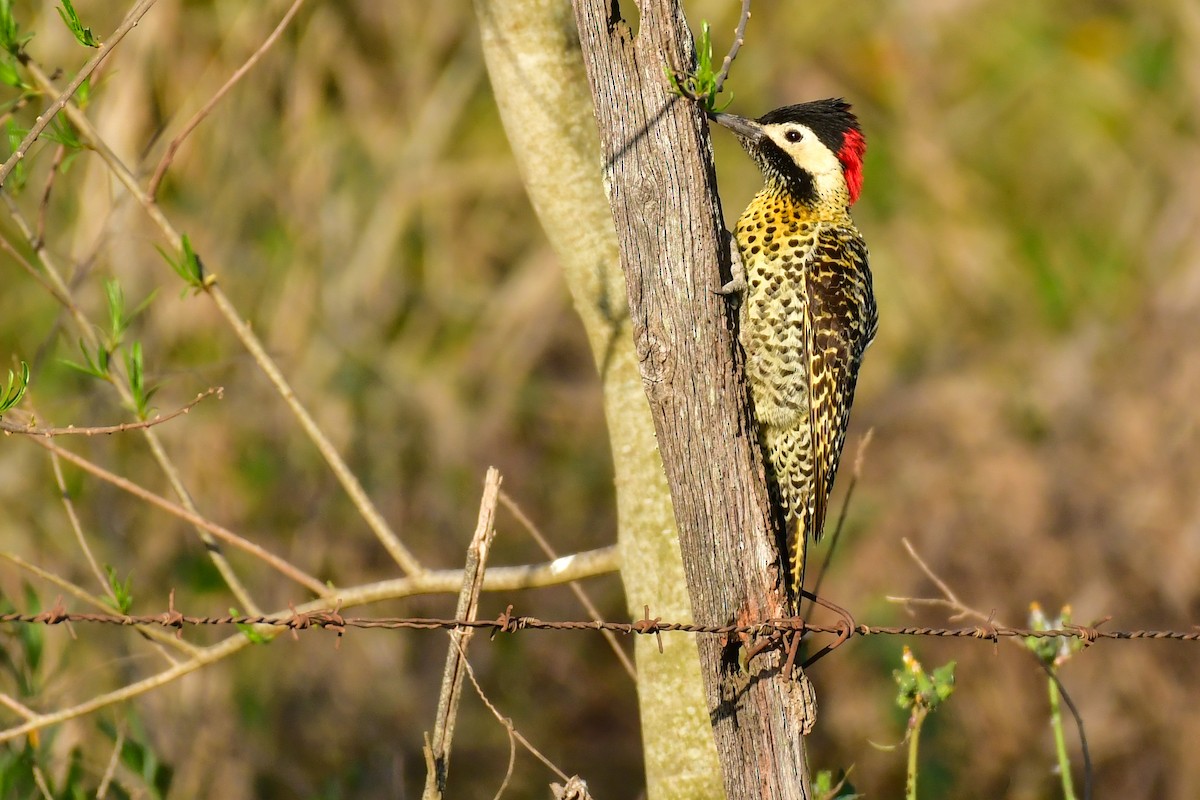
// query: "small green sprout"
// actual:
[[702, 83], [20, 174], [122, 592], [118, 320], [96, 366], [15, 389], [920, 693], [83, 35], [188, 267], [64, 133], [9, 75], [11, 40], [142, 393]]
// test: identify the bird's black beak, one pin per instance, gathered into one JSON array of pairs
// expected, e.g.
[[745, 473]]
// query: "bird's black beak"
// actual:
[[747, 129]]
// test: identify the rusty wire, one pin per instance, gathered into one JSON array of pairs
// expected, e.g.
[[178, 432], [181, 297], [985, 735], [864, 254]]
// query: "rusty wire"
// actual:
[[508, 622]]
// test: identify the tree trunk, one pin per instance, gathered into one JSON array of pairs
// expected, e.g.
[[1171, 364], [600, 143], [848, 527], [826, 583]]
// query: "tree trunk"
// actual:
[[536, 69], [674, 251]]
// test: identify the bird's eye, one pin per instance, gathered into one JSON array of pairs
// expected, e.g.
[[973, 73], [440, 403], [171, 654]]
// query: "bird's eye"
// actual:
[[793, 135]]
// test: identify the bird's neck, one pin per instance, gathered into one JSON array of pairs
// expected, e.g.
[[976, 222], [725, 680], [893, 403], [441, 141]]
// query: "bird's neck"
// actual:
[[777, 206]]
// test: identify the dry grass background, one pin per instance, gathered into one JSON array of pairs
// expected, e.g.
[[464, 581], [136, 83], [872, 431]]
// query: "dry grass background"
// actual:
[[1031, 209]]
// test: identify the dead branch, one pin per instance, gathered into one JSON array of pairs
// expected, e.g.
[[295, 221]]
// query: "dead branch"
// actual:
[[437, 748]]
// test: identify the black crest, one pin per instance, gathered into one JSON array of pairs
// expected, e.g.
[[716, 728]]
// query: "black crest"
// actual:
[[829, 119]]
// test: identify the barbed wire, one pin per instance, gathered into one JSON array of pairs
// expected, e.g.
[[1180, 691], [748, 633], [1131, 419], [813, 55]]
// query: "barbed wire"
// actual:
[[508, 622]]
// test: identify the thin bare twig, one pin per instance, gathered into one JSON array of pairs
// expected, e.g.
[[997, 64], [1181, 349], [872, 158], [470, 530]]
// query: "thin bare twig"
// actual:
[[113, 761], [512, 730], [60, 154], [39, 779], [62, 293], [346, 477], [71, 430], [951, 599], [574, 586], [161, 170], [16, 705], [21, 261], [76, 527], [512, 756], [739, 38], [46, 117], [224, 534], [437, 748]]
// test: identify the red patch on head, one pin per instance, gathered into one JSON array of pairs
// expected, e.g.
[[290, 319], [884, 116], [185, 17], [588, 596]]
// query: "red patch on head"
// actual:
[[854, 146]]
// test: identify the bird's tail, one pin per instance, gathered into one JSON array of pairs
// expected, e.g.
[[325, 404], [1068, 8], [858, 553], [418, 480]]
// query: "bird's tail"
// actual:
[[797, 550]]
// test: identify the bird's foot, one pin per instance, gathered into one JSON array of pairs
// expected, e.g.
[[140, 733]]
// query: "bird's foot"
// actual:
[[733, 287], [736, 284]]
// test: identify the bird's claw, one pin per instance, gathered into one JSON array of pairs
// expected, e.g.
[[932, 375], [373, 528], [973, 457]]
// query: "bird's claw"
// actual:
[[733, 287], [736, 284]]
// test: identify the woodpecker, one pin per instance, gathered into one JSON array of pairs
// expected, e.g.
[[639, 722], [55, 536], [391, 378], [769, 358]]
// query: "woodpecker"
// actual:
[[808, 310]]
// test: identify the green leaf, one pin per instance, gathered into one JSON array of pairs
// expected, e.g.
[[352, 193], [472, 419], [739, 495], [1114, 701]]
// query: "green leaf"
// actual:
[[95, 367], [64, 133], [943, 683], [122, 599], [83, 35], [701, 83], [187, 266], [922, 691], [142, 393], [11, 39], [116, 312], [15, 390], [704, 49], [142, 306], [118, 320], [16, 178], [9, 74]]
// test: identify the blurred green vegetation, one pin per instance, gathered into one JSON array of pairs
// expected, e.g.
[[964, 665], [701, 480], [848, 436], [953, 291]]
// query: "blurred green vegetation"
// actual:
[[1031, 208]]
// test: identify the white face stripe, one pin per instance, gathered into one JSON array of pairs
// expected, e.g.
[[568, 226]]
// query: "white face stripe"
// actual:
[[812, 155]]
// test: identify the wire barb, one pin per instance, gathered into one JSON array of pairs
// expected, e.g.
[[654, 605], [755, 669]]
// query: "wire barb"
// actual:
[[331, 620], [987, 630], [646, 625], [172, 618], [1089, 633]]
